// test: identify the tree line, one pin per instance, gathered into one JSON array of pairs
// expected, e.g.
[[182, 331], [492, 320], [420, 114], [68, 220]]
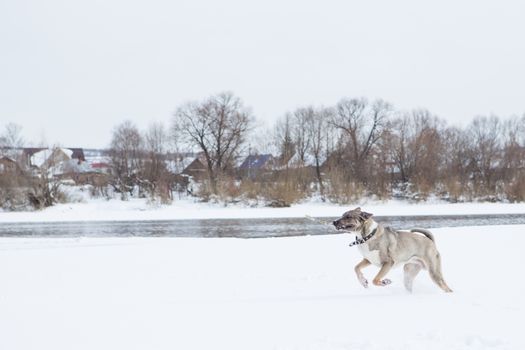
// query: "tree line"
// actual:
[[354, 149]]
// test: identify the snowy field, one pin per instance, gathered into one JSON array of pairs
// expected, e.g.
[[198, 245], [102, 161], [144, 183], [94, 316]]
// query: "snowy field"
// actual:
[[280, 293], [139, 209]]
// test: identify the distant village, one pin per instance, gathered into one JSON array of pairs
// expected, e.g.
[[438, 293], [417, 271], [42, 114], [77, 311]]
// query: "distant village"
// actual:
[[94, 166], [83, 165]]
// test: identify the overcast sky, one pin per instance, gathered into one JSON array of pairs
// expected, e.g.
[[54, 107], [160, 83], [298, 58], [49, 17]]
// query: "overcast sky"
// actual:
[[71, 70]]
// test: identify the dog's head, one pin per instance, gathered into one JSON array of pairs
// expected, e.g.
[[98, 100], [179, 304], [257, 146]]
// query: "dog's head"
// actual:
[[352, 220]]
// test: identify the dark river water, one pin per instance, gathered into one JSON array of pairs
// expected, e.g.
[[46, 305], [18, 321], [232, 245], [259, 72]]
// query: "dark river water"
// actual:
[[243, 228]]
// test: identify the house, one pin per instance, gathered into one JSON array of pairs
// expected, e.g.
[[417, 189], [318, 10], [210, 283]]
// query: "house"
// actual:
[[98, 160], [45, 157], [258, 161], [50, 158], [257, 164], [101, 167], [56, 161], [77, 154], [88, 177], [11, 153], [9, 166], [176, 163], [295, 162], [197, 168]]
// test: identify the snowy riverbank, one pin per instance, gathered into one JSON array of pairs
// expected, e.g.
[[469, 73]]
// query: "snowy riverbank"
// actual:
[[286, 293], [139, 209]]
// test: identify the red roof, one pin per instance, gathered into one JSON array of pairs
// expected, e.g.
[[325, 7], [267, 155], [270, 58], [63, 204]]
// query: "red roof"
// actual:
[[99, 165]]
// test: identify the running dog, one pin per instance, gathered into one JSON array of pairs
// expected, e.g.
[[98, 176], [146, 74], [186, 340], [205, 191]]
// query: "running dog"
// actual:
[[386, 248]]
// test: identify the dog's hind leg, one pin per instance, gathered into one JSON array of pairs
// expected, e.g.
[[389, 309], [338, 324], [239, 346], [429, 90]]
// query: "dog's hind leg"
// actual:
[[364, 263], [434, 269], [411, 271], [378, 280]]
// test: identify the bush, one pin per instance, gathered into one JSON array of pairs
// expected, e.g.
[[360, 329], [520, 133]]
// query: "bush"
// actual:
[[13, 192], [515, 189], [45, 192], [283, 194], [341, 190]]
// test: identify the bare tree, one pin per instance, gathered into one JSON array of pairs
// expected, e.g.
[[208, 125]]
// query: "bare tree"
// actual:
[[417, 149], [10, 140], [262, 140], [318, 125], [126, 157], [155, 172], [13, 178], [301, 135], [283, 139], [362, 124], [294, 135], [513, 162], [45, 184], [156, 138], [398, 147], [484, 135], [12, 135], [218, 127], [456, 163]]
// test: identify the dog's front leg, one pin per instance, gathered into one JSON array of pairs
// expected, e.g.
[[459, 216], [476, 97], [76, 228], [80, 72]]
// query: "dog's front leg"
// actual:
[[364, 263], [378, 280]]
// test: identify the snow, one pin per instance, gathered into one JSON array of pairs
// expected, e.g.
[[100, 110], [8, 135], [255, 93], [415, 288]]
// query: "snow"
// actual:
[[285, 293], [178, 162], [309, 160], [39, 158], [67, 152], [141, 209]]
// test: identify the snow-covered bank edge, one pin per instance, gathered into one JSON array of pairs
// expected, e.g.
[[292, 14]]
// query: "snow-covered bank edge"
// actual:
[[187, 209]]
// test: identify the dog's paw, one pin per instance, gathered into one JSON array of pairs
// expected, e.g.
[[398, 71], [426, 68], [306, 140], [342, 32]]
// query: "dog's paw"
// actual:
[[364, 282], [382, 283]]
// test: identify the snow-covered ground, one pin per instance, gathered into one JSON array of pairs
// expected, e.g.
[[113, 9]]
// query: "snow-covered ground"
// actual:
[[284, 293], [139, 209]]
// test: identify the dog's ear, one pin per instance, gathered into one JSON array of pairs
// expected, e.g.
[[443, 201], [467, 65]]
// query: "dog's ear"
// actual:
[[353, 212], [365, 216]]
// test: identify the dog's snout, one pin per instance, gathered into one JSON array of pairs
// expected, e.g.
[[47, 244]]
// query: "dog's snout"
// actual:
[[335, 222]]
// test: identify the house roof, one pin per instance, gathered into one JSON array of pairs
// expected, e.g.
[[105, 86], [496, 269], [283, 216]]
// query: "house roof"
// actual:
[[39, 158], [7, 159], [309, 160], [255, 161], [178, 162], [9, 162], [100, 165], [29, 151], [78, 153], [196, 164]]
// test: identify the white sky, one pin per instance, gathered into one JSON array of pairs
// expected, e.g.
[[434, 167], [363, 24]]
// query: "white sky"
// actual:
[[71, 70]]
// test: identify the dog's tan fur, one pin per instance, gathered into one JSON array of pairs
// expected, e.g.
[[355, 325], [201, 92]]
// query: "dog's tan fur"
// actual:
[[389, 248]]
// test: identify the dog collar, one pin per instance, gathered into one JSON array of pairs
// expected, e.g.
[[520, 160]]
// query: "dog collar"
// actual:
[[364, 239]]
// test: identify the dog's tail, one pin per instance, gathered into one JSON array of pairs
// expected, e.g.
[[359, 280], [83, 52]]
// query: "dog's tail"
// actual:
[[425, 232]]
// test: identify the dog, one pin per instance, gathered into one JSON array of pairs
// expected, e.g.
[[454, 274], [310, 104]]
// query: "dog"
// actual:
[[387, 248]]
